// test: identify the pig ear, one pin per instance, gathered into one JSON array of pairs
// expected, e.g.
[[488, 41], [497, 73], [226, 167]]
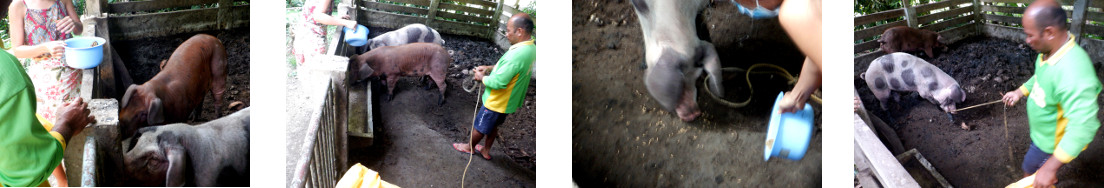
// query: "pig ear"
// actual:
[[713, 68], [364, 70], [174, 175], [155, 115], [126, 97]]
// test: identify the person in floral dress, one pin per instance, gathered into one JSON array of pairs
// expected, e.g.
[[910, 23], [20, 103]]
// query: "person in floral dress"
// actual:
[[309, 33]]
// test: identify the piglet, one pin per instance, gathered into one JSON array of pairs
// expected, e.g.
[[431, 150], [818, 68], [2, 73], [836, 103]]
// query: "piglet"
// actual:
[[196, 67], [905, 72], [412, 33], [415, 59], [211, 154], [907, 39]]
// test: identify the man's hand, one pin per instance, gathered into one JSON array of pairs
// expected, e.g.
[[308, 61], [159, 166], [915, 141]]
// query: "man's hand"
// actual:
[[72, 118], [1045, 176], [481, 71], [1012, 97]]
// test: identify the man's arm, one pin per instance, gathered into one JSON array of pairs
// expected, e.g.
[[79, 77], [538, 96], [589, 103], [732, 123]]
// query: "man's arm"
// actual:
[[501, 76], [1078, 99]]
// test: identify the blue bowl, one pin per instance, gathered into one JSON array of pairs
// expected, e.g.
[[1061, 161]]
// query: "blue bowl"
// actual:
[[358, 37], [81, 54], [789, 133]]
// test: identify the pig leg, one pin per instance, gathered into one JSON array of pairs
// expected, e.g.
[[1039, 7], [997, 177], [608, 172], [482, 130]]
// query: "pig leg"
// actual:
[[928, 50], [440, 80], [391, 81], [218, 76]]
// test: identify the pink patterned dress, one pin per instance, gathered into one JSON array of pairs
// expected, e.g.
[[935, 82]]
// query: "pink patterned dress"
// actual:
[[309, 35], [55, 83]]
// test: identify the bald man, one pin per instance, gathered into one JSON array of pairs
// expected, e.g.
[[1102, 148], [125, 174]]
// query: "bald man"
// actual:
[[1061, 104], [505, 84]]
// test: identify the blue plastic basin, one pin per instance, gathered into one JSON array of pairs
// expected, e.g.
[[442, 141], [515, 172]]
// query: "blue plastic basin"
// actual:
[[788, 134], [358, 37], [81, 54]]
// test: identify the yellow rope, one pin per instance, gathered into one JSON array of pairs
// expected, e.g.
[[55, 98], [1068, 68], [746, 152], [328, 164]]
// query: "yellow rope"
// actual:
[[471, 147], [780, 71], [975, 106]]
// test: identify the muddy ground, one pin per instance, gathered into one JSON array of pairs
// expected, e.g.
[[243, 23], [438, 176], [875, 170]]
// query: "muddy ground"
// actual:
[[143, 59], [621, 137], [414, 134], [982, 156]]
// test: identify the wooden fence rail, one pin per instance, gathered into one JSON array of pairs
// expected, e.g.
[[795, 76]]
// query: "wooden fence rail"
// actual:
[[479, 18], [154, 18], [959, 19]]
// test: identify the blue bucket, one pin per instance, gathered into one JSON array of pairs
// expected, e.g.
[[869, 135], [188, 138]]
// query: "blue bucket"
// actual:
[[80, 52], [789, 133], [358, 37]]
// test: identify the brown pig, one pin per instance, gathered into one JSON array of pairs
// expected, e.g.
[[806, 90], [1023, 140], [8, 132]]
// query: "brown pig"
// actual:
[[196, 67], [414, 59], [907, 39]]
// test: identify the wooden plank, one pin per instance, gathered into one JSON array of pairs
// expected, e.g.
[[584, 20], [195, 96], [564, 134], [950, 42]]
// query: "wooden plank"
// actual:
[[1005, 19], [391, 20], [881, 162], [868, 45], [480, 12], [457, 28], [478, 2], [1008, 1], [910, 14], [1004, 32], [1003, 9], [464, 18], [432, 11], [395, 8], [1094, 16], [945, 14], [876, 30], [954, 35], [1093, 29], [867, 57], [948, 23], [135, 6], [927, 8], [1094, 45], [412, 2], [163, 24], [879, 16]]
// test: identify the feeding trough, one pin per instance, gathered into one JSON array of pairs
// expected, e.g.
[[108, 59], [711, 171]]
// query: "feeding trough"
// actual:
[[84, 52]]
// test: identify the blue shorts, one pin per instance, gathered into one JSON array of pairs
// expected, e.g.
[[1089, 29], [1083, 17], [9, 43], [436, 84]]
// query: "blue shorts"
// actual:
[[1034, 159], [487, 120]]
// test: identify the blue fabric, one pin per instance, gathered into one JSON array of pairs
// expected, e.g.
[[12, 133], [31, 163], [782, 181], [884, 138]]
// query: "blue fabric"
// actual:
[[758, 13], [487, 120], [1034, 159]]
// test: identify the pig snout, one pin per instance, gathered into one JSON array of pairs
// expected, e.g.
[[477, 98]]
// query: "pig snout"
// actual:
[[673, 86]]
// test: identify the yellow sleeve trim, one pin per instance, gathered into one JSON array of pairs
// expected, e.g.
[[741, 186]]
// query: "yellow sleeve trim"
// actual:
[[59, 138], [1023, 88], [1062, 156]]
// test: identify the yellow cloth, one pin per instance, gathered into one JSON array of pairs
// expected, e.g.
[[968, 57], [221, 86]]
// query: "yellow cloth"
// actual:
[[1026, 182], [50, 127], [359, 176]]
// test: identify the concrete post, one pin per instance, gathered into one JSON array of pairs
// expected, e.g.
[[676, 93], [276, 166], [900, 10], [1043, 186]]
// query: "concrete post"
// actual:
[[910, 14], [1078, 18]]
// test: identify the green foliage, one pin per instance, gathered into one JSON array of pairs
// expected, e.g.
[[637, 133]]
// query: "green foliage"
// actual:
[[530, 9]]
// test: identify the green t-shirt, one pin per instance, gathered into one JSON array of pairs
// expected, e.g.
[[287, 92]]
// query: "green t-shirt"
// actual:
[[1061, 102], [28, 153], [508, 81]]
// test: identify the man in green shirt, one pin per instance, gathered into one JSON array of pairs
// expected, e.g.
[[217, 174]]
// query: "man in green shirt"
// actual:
[[29, 152], [505, 84], [1061, 96]]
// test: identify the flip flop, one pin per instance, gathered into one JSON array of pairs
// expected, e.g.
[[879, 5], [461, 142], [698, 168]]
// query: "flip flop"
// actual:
[[456, 146]]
